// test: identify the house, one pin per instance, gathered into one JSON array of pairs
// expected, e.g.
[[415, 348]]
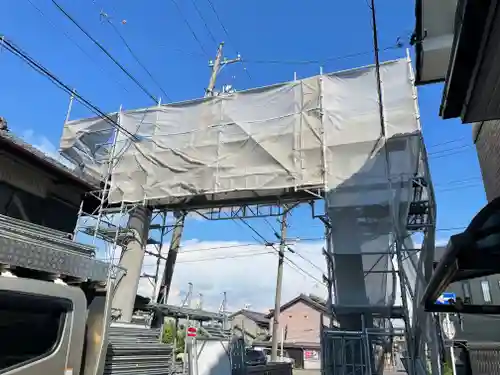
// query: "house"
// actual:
[[486, 137], [456, 42], [252, 325], [299, 321], [37, 188]]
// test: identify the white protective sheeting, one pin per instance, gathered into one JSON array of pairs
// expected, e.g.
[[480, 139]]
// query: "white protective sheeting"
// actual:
[[320, 132]]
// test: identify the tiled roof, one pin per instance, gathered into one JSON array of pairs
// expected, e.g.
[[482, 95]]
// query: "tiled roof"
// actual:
[[9, 138], [257, 317], [312, 302]]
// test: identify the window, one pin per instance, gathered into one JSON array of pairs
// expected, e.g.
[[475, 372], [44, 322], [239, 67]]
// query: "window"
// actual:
[[467, 292], [30, 327], [485, 287]]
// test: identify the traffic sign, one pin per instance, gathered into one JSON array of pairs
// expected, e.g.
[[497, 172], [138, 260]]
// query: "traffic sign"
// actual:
[[444, 299], [192, 331]]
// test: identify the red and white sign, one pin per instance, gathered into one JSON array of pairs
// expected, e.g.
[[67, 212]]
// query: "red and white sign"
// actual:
[[192, 331]]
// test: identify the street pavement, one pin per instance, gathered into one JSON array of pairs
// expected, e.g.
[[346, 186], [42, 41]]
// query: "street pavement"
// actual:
[[306, 372]]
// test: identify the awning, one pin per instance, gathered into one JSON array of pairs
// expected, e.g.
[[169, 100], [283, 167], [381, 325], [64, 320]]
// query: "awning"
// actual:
[[470, 254]]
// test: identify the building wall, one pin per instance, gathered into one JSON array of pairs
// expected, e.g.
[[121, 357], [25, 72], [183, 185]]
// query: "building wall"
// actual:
[[242, 322], [487, 139], [302, 323]]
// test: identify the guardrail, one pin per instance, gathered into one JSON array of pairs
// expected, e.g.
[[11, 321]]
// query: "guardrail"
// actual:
[[273, 368]]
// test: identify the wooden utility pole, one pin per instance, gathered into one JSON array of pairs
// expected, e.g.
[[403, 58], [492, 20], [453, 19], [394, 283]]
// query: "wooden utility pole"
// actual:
[[216, 66], [279, 283]]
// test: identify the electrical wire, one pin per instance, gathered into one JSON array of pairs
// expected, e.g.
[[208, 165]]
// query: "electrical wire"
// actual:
[[216, 248], [204, 21], [136, 58], [234, 256], [12, 48], [100, 46], [189, 27], [320, 61], [459, 188], [446, 142], [212, 6], [44, 16], [459, 181], [449, 150], [267, 243]]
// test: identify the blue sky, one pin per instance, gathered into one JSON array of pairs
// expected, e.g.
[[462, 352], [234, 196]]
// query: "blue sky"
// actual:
[[275, 38]]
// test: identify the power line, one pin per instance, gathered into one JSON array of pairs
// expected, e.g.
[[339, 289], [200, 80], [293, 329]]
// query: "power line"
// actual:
[[212, 6], [459, 188], [448, 150], [444, 155], [320, 61], [234, 256], [459, 181], [189, 26], [204, 21], [447, 142], [45, 72], [122, 68], [134, 55], [218, 248], [267, 243], [304, 258], [76, 44]]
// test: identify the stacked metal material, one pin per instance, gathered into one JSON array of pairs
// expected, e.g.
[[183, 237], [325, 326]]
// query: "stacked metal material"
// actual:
[[217, 332], [137, 351], [34, 247]]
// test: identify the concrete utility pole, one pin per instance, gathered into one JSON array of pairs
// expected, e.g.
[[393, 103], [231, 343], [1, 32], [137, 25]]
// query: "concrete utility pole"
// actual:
[[216, 66], [175, 244], [279, 282], [131, 259]]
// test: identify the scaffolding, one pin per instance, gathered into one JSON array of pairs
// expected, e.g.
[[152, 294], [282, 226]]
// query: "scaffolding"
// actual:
[[311, 141]]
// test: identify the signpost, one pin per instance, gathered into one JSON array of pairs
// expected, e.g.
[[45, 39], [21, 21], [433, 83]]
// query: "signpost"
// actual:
[[192, 331], [192, 358], [450, 332]]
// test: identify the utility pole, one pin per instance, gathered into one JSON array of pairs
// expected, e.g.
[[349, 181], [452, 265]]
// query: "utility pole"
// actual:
[[279, 283], [216, 66], [175, 244]]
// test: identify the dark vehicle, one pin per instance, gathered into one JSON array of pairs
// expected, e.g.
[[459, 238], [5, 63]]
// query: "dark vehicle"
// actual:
[[255, 357]]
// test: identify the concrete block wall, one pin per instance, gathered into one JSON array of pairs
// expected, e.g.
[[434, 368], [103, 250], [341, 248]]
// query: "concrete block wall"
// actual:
[[487, 140]]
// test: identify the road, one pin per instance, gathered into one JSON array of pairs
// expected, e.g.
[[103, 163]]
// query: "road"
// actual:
[[306, 372]]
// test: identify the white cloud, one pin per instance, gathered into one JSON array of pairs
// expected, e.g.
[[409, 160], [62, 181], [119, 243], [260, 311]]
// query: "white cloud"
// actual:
[[43, 144], [247, 272]]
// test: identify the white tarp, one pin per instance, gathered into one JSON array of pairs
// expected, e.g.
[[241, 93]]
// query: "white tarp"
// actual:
[[319, 132]]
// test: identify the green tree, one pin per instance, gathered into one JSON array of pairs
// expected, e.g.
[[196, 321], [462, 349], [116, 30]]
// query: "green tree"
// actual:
[[169, 333], [447, 370]]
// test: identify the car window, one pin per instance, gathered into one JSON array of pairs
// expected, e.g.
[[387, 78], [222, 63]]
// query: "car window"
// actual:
[[31, 330], [254, 354]]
